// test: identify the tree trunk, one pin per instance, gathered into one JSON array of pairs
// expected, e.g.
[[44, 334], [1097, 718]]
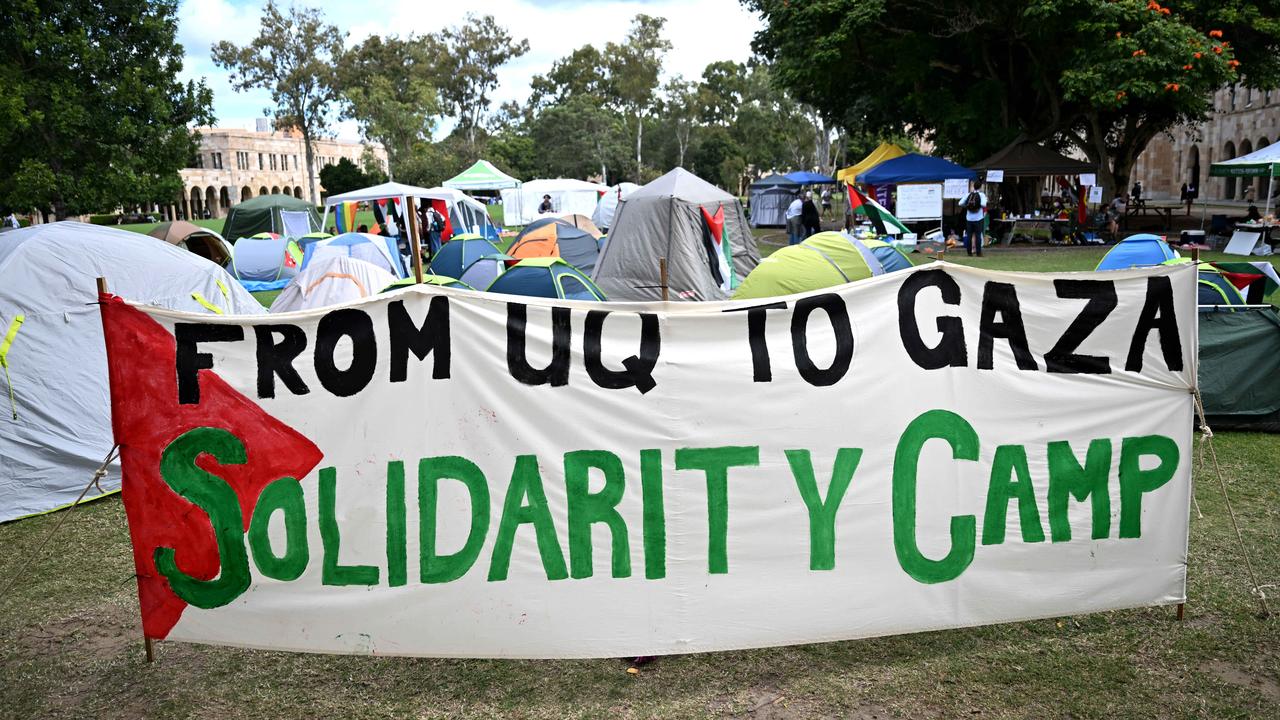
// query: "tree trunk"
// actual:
[[311, 164], [639, 140]]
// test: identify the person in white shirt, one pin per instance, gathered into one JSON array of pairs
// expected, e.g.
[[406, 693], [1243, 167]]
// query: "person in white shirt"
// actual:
[[975, 212], [795, 228]]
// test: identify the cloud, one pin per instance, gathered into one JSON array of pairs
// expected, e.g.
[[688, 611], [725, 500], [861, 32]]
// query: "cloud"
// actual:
[[701, 32]]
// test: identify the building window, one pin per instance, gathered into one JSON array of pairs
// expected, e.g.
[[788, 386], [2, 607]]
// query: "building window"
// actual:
[[197, 161], [262, 165], [273, 161], [1231, 93], [295, 162], [217, 160]]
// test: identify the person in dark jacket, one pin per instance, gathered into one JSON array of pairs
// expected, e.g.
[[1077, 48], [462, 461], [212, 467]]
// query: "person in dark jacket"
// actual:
[[809, 216]]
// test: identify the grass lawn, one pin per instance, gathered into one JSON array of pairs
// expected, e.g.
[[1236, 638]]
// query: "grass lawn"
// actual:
[[70, 641]]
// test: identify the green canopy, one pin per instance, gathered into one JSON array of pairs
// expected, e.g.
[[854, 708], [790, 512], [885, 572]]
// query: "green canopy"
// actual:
[[1240, 369], [280, 214], [481, 176]]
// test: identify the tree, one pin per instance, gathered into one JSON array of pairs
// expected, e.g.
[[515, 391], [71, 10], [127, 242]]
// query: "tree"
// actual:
[[634, 67], [344, 176], [469, 68], [578, 138], [293, 57], [389, 87], [92, 114], [1103, 76], [582, 72], [682, 107]]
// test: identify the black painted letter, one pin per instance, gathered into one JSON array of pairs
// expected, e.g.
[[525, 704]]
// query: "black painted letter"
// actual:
[[951, 350], [838, 314], [639, 368], [354, 324], [276, 358], [431, 336], [190, 361], [556, 373]]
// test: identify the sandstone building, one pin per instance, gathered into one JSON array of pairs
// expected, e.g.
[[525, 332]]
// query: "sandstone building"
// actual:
[[1242, 121], [234, 165]]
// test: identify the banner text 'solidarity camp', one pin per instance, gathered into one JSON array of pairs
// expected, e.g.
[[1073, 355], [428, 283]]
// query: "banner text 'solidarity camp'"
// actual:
[[442, 473]]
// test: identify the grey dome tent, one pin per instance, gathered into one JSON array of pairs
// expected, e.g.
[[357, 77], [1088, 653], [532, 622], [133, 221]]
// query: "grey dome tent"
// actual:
[[55, 426], [669, 218], [769, 198], [280, 214], [266, 260]]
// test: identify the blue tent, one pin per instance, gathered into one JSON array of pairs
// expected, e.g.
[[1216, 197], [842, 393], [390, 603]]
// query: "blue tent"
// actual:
[[455, 256], [915, 168], [1142, 250], [804, 177], [376, 249], [782, 181], [548, 278]]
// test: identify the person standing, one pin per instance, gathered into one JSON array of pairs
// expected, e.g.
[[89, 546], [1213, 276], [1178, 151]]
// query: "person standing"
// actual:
[[826, 202], [794, 226], [809, 216], [975, 213], [1192, 193]]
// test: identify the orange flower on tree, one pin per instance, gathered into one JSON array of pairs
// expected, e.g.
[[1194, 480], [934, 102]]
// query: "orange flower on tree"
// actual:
[[1172, 86], [1188, 67], [1215, 33], [1198, 55], [1140, 53], [1120, 95], [1233, 64], [1217, 49]]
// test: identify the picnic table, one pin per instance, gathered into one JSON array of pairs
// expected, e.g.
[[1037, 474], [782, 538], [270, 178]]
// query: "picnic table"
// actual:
[[1035, 230], [1162, 208]]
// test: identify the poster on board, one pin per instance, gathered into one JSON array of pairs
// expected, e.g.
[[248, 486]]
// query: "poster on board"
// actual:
[[1095, 193], [919, 202], [955, 189], [995, 176], [1088, 179]]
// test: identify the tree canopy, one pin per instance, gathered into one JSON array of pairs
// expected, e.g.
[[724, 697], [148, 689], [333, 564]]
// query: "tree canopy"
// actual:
[[92, 113]]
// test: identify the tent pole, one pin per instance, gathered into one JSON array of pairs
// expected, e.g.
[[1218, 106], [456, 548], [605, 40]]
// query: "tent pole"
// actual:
[[324, 221], [414, 242], [1270, 186], [662, 274]]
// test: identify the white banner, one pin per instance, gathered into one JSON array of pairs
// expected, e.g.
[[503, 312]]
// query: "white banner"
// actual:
[[919, 202], [446, 473]]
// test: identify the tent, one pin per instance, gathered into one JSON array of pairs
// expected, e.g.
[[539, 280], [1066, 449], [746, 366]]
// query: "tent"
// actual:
[[768, 199], [557, 239], [266, 263], [202, 241], [582, 222], [886, 151], [700, 229], [481, 176], [55, 425], [1239, 369], [455, 256], [804, 177], [439, 280], [520, 205], [608, 205], [915, 168], [1140, 250], [1023, 158], [484, 270], [331, 281], [548, 278], [1259, 163], [822, 260], [462, 212], [282, 214], [376, 249], [1214, 289], [305, 240]]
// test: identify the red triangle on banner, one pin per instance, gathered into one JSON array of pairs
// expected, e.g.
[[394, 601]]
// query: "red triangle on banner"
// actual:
[[146, 417]]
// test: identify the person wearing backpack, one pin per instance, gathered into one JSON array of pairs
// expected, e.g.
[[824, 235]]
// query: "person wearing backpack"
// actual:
[[975, 213]]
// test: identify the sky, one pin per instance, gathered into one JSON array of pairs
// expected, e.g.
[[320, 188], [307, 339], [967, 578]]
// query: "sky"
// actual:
[[700, 31]]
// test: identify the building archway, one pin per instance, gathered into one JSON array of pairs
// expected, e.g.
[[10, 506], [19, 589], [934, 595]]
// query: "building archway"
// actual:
[[245, 193], [1246, 184], [1229, 153], [297, 191], [275, 190], [1193, 166], [262, 190], [197, 204], [224, 198], [211, 201]]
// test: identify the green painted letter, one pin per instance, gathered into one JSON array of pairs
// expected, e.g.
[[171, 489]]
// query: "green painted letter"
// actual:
[[284, 495], [526, 482], [587, 508], [943, 425], [1134, 481], [715, 462], [437, 568], [331, 572], [655, 518], [1067, 477], [215, 497], [1011, 480], [397, 540], [822, 514]]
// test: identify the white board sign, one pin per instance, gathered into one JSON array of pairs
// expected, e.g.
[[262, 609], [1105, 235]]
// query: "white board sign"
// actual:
[[1095, 193], [919, 202], [955, 189], [1088, 179], [448, 473], [995, 176]]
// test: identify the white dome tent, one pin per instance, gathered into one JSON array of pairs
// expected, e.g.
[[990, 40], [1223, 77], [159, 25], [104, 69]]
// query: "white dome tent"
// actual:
[[55, 427], [608, 205]]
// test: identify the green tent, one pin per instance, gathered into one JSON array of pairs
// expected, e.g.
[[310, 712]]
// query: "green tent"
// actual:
[[1240, 369], [440, 280], [822, 260], [481, 176], [280, 214]]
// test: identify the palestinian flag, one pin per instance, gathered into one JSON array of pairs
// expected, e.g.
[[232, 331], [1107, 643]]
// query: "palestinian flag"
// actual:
[[885, 223]]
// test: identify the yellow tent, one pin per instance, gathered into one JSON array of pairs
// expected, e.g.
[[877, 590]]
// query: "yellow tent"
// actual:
[[886, 151]]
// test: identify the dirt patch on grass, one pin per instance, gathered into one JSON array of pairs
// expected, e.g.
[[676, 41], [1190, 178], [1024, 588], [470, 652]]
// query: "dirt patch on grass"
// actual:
[[1241, 677], [96, 634]]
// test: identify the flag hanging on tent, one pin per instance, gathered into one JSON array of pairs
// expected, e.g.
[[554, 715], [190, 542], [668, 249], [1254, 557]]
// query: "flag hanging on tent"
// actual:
[[346, 217], [717, 249], [883, 221]]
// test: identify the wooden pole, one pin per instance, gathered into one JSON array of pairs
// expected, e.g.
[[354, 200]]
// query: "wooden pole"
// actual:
[[102, 286], [415, 242], [151, 650], [1195, 254], [662, 273], [1181, 608]]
